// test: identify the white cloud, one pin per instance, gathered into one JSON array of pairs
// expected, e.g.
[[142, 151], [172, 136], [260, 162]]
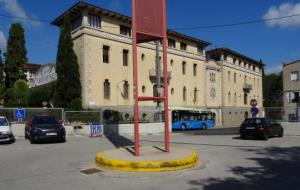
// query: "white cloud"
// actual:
[[2, 42], [16, 10], [283, 10], [273, 68]]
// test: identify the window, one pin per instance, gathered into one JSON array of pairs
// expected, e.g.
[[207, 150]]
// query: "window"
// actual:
[[245, 99], [228, 76], [76, 23], [254, 68], [200, 50], [172, 91], [184, 94], [94, 21], [225, 57], [143, 57], [234, 60], [234, 98], [126, 90], [105, 54], [106, 88], [295, 76], [143, 89], [234, 77], [183, 67], [183, 46], [195, 69], [171, 43], [229, 97], [195, 94], [125, 30], [212, 77], [125, 57], [172, 61]]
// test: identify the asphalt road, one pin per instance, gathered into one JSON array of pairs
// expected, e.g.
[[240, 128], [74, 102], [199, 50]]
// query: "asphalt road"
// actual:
[[229, 163]]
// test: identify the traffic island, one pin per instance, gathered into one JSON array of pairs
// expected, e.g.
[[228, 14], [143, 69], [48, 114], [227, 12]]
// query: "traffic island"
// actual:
[[151, 159]]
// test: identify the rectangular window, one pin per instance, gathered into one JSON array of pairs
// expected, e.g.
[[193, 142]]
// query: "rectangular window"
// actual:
[[171, 43], [183, 46], [76, 23], [94, 21], [105, 54], [195, 95], [200, 50], [183, 68], [295, 76], [106, 88], [245, 99], [125, 57], [125, 30], [195, 69]]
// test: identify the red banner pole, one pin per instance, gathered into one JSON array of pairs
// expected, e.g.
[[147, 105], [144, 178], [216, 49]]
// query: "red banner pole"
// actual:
[[135, 80], [165, 73]]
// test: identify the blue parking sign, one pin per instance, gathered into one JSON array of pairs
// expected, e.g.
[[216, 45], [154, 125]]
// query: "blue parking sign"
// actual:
[[19, 114]]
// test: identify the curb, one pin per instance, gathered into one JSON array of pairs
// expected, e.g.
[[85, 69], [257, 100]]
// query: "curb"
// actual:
[[147, 166]]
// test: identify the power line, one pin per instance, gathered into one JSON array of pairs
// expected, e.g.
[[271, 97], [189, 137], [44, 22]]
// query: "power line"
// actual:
[[179, 28], [237, 23]]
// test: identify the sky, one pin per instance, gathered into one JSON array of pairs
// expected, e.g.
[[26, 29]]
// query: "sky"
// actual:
[[274, 41]]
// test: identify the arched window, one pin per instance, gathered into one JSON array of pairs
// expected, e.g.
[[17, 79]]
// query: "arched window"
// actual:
[[143, 89], [184, 94], [235, 99], [106, 89], [234, 78], [172, 91], [126, 90], [229, 97], [143, 57], [183, 67], [172, 61]]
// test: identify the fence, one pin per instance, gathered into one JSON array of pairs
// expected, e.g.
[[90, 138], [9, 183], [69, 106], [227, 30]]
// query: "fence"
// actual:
[[9, 113], [82, 117], [287, 114]]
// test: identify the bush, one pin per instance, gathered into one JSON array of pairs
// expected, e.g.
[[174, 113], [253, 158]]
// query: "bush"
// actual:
[[21, 92], [76, 104], [37, 96]]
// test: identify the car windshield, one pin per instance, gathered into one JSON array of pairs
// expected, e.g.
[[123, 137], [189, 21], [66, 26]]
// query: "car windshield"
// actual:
[[3, 122], [253, 121], [44, 120]]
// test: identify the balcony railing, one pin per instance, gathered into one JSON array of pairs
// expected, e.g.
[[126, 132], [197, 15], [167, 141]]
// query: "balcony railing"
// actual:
[[152, 74], [247, 87]]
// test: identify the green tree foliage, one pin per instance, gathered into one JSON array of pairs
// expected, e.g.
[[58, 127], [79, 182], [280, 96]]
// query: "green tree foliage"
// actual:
[[37, 96], [68, 86], [21, 92], [2, 85], [76, 104], [15, 59], [273, 89]]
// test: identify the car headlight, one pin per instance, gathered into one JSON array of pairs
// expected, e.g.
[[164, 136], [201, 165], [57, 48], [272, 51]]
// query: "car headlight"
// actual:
[[6, 132]]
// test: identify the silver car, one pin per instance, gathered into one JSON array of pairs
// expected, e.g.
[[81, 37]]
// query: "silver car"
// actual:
[[6, 135]]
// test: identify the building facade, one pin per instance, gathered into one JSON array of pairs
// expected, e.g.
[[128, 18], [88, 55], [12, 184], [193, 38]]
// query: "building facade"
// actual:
[[102, 43], [291, 89]]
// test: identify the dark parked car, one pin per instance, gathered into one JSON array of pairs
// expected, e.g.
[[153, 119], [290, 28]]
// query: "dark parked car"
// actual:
[[44, 128], [261, 128]]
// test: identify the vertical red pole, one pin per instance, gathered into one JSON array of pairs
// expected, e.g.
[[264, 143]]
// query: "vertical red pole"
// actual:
[[135, 81], [165, 73]]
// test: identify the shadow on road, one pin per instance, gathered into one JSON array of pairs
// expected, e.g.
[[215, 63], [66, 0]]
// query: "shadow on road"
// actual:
[[213, 131], [277, 169]]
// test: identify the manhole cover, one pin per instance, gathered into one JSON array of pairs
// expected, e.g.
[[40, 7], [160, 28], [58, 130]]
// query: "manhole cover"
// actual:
[[90, 171]]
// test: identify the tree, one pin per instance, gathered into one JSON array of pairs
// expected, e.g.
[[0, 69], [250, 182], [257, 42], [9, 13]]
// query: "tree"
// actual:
[[2, 85], [21, 92], [68, 86], [15, 58], [273, 90]]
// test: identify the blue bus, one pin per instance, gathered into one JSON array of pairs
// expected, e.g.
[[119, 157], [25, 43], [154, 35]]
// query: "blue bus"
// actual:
[[187, 119]]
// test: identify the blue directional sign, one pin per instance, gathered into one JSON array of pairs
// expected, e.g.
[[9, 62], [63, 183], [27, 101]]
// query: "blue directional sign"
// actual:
[[19, 114]]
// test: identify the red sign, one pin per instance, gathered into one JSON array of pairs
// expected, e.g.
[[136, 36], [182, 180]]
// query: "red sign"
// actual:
[[149, 20]]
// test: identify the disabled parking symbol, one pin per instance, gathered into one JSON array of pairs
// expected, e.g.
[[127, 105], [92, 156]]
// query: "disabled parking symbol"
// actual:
[[19, 114]]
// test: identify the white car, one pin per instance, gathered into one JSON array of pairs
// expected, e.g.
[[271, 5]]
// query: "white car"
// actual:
[[6, 135]]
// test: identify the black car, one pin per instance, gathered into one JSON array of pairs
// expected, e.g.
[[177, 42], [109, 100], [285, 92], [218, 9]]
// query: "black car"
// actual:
[[260, 128], [44, 128]]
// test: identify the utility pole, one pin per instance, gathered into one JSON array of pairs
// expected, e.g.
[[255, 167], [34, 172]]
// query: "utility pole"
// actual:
[[158, 78]]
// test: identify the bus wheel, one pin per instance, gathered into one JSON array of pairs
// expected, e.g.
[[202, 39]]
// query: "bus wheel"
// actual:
[[203, 127], [183, 127]]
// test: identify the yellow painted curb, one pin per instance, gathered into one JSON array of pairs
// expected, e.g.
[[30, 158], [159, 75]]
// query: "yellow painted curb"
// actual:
[[147, 166]]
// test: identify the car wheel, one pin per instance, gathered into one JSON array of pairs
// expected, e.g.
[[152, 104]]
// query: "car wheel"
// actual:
[[183, 127], [243, 137], [31, 139], [281, 133], [204, 127], [265, 136]]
